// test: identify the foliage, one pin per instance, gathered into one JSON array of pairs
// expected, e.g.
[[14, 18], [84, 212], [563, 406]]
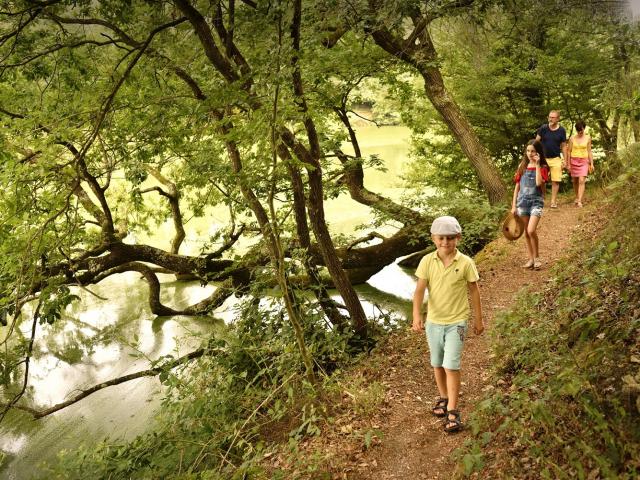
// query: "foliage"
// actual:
[[105, 104], [479, 220], [507, 65], [568, 364], [219, 412]]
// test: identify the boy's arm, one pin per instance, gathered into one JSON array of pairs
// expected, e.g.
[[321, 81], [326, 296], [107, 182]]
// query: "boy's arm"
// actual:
[[476, 305], [418, 298]]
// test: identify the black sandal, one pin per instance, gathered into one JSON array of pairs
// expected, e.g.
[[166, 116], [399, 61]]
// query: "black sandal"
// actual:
[[441, 404], [453, 425]]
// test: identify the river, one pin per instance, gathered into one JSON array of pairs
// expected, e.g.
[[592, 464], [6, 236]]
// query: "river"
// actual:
[[111, 332]]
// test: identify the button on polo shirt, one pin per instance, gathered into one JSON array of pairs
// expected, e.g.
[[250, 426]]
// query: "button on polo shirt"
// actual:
[[447, 287]]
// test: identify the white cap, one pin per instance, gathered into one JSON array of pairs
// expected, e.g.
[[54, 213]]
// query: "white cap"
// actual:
[[446, 226]]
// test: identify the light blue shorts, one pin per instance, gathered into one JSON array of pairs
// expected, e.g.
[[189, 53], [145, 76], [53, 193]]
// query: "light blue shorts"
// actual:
[[445, 344]]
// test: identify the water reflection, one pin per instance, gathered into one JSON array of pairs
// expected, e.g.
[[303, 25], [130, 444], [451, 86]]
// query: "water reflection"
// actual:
[[104, 336]]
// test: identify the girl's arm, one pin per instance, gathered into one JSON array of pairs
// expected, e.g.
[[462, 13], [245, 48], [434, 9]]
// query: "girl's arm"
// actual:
[[589, 152], [516, 189], [539, 179]]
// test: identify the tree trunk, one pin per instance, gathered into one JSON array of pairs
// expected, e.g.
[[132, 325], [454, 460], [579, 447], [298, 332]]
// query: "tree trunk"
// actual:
[[608, 134], [328, 305], [315, 199], [424, 58]]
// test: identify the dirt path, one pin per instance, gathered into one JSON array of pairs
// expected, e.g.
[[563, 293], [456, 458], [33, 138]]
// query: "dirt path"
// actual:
[[412, 444]]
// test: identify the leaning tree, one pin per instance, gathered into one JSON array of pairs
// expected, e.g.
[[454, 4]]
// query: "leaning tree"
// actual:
[[117, 115]]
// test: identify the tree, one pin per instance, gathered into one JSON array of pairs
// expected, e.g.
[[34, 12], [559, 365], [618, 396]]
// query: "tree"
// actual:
[[509, 64], [107, 103]]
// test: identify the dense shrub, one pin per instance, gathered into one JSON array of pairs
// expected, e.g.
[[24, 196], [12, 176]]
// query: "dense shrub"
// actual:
[[212, 421]]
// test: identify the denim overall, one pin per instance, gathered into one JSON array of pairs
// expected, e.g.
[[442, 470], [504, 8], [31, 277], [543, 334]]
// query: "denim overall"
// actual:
[[530, 200]]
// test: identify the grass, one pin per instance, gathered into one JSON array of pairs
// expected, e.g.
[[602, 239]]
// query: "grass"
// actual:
[[568, 362]]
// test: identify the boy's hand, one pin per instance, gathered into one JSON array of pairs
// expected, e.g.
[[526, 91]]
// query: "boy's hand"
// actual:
[[478, 327], [417, 325]]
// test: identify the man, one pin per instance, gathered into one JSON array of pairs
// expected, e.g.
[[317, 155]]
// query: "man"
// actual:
[[554, 142]]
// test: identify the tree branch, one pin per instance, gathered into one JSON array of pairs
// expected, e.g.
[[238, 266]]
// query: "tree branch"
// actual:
[[206, 38], [173, 196], [152, 372]]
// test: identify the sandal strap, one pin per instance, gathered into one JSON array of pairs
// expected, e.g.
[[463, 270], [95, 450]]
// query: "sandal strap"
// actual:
[[457, 423], [441, 402]]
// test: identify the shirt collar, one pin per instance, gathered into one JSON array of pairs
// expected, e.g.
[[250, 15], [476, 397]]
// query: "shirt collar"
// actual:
[[455, 257]]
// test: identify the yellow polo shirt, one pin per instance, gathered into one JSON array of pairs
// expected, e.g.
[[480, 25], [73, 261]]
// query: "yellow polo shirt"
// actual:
[[447, 287]]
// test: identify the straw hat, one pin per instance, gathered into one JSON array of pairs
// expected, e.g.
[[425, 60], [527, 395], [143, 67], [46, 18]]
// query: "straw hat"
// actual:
[[512, 226]]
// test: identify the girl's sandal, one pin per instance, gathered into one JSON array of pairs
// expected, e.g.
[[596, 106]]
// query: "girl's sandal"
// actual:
[[537, 264], [440, 407], [452, 425]]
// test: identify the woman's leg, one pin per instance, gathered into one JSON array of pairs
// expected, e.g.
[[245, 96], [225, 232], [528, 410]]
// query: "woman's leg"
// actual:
[[576, 191], [581, 184]]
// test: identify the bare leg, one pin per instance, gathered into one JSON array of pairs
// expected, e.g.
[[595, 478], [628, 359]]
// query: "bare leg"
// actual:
[[530, 252], [532, 235], [555, 188], [581, 184], [453, 386], [576, 191], [441, 381]]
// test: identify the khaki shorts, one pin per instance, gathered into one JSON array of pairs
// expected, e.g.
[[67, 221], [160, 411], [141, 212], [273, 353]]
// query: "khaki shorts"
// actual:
[[555, 168]]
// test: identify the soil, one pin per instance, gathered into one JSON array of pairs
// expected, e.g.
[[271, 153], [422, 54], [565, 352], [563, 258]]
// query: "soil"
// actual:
[[399, 438]]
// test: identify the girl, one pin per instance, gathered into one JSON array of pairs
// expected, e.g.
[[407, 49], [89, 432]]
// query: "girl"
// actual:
[[581, 161], [528, 196]]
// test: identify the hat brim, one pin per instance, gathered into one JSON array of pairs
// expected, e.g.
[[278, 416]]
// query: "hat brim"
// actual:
[[512, 227]]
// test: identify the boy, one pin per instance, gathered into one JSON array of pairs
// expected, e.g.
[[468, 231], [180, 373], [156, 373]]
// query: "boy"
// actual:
[[448, 274]]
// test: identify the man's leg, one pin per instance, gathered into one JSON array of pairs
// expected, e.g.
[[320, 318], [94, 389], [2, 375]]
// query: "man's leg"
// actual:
[[555, 188]]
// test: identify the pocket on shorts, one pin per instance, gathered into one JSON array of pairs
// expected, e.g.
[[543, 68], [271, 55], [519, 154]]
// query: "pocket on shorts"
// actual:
[[461, 330]]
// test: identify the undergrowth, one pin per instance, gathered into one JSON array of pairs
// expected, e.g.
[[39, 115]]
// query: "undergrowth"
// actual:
[[220, 413], [566, 402]]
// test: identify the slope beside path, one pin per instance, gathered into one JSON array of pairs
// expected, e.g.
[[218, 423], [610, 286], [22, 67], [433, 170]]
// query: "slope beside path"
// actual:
[[401, 439]]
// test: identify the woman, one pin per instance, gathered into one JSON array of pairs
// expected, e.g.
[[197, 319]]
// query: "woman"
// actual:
[[580, 161]]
